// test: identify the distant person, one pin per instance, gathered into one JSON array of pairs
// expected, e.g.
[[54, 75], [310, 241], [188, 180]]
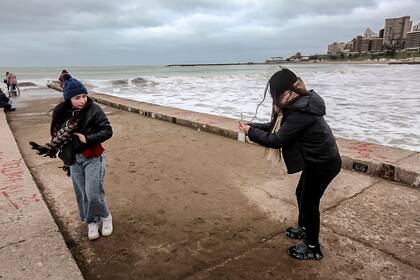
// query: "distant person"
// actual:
[[6, 82], [5, 102], [12, 83], [299, 131], [78, 128], [60, 79]]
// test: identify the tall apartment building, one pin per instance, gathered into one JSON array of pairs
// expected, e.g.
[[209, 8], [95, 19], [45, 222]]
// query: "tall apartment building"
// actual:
[[396, 30], [360, 45], [376, 44], [336, 47], [413, 40], [369, 34]]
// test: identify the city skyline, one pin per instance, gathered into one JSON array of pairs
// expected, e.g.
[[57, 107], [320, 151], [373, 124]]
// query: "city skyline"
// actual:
[[45, 33], [397, 33]]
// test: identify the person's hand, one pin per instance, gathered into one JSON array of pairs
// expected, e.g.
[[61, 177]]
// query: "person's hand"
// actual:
[[82, 138], [244, 127]]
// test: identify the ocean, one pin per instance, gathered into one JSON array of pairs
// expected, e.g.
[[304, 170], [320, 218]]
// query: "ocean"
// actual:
[[377, 103]]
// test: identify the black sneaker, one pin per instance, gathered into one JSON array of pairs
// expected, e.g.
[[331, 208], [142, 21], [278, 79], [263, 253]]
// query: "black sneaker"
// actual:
[[303, 251], [296, 232]]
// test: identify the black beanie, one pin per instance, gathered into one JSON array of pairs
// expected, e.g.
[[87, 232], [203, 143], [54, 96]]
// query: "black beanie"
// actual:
[[281, 81]]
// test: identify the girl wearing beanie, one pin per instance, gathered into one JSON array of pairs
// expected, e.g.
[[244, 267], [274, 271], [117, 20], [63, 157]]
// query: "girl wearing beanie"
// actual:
[[78, 128], [299, 132]]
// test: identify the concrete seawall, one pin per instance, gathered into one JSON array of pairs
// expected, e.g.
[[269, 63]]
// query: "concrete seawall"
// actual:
[[389, 163], [31, 246]]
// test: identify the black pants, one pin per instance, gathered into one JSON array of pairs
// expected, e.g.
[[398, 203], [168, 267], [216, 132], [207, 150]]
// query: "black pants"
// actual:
[[313, 181]]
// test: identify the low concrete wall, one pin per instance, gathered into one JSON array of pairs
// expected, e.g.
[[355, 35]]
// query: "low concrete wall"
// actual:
[[31, 246], [389, 163]]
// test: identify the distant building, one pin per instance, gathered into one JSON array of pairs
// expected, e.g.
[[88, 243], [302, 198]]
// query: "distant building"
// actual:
[[413, 40], [416, 27], [296, 57], [376, 44], [381, 33], [347, 47], [395, 31], [369, 34], [336, 47], [360, 45], [275, 59]]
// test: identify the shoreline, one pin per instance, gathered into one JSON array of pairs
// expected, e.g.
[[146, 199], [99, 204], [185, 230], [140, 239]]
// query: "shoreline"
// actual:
[[389, 62]]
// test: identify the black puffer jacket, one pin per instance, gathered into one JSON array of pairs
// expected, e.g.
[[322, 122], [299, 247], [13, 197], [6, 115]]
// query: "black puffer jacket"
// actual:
[[94, 125], [304, 135]]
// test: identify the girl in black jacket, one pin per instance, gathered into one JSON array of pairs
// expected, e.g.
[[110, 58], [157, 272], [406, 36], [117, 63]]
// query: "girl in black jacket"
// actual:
[[299, 131], [78, 128]]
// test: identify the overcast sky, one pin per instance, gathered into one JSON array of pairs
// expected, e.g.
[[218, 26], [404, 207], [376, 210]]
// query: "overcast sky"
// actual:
[[101, 32]]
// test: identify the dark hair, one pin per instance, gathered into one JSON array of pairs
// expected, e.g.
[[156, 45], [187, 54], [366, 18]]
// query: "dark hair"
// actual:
[[280, 82], [64, 71], [60, 114]]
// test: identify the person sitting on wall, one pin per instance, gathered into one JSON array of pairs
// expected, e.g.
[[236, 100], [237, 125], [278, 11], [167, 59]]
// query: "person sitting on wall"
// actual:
[[5, 102]]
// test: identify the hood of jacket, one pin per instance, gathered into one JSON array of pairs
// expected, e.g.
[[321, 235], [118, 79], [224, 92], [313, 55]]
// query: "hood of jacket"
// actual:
[[312, 103]]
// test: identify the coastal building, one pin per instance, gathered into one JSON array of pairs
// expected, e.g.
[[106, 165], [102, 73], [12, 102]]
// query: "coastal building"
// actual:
[[296, 57], [275, 59], [416, 27], [369, 34], [376, 44], [413, 40], [395, 31], [347, 47], [336, 47], [360, 45]]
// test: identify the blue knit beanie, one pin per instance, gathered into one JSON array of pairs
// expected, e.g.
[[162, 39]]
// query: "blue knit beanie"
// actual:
[[72, 87]]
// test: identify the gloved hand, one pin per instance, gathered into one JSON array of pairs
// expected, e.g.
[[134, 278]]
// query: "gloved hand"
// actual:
[[66, 169], [45, 150]]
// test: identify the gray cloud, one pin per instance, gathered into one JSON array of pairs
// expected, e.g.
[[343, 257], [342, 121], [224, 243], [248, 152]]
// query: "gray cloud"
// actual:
[[39, 32]]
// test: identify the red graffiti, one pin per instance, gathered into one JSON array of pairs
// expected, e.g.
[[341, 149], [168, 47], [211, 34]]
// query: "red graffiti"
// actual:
[[6, 195], [365, 150], [13, 184]]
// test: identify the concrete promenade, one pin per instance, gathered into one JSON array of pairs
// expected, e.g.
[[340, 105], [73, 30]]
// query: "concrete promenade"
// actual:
[[193, 205]]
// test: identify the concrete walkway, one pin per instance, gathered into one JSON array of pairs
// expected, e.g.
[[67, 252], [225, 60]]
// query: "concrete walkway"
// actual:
[[194, 205], [31, 246]]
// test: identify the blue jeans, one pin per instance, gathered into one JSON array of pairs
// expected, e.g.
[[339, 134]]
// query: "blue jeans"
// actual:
[[88, 184]]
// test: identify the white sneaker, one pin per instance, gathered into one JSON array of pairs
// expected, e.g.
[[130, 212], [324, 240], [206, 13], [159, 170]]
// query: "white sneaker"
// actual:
[[107, 225], [93, 232]]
